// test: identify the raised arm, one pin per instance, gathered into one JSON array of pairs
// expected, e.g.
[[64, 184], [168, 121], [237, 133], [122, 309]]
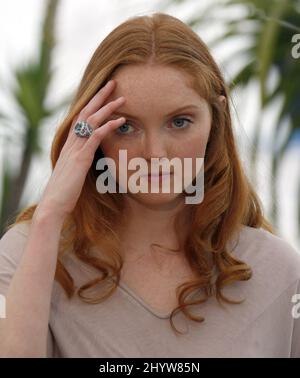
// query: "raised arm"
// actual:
[[23, 333]]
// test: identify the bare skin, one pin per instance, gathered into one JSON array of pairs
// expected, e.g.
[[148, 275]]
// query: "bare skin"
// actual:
[[149, 215], [23, 333], [152, 92]]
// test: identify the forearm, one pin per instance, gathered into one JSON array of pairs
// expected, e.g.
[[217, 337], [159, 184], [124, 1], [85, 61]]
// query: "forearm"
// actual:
[[24, 330]]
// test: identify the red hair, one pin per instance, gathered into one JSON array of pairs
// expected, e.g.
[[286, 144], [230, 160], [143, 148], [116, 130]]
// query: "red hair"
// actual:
[[229, 200]]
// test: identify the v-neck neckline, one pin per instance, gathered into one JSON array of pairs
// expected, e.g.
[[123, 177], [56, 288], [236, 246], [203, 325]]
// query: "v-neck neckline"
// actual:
[[123, 286]]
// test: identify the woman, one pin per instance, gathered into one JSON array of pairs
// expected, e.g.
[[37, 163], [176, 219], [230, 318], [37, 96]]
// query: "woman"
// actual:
[[89, 273]]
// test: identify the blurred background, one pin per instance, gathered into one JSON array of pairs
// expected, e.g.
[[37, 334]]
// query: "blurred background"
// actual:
[[46, 45]]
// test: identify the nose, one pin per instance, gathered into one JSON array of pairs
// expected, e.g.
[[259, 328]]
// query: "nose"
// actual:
[[154, 146]]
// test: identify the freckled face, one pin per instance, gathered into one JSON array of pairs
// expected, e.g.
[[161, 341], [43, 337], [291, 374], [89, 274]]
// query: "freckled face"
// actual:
[[154, 126]]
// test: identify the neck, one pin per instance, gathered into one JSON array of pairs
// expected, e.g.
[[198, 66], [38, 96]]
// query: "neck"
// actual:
[[146, 224]]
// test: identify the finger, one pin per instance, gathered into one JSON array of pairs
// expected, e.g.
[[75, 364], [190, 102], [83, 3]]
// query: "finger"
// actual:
[[76, 142], [99, 134], [73, 141], [98, 100], [96, 119], [99, 117], [93, 105]]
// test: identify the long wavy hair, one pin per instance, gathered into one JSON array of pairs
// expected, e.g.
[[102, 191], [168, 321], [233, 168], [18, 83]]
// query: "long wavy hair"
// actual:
[[229, 200]]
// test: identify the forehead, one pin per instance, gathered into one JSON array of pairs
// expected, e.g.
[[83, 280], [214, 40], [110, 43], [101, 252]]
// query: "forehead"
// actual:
[[145, 84]]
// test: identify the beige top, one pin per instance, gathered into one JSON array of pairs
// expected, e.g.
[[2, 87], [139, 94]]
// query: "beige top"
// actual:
[[125, 326]]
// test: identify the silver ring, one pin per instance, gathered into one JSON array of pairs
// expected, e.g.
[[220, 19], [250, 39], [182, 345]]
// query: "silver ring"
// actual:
[[83, 129]]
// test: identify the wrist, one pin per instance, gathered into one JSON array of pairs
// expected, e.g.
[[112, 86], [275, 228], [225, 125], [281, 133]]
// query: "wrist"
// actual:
[[45, 213]]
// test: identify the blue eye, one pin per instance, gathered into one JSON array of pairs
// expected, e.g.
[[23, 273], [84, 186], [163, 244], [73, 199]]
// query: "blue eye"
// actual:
[[182, 119], [122, 129]]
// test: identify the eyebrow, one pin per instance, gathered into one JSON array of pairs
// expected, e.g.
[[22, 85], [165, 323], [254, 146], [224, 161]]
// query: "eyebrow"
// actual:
[[185, 107]]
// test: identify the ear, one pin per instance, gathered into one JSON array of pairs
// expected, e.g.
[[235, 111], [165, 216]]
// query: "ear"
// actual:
[[222, 100]]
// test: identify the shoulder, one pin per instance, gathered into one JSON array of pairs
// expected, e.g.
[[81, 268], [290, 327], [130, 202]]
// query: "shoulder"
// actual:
[[12, 245], [271, 257], [14, 239], [21, 228]]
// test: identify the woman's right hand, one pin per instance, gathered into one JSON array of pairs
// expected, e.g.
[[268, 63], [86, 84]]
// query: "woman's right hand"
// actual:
[[65, 184]]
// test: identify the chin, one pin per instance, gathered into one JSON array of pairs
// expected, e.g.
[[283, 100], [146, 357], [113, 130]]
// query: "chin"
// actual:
[[157, 199]]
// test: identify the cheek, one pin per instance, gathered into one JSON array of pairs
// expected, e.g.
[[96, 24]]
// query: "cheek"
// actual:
[[190, 146], [191, 151], [106, 147], [111, 148]]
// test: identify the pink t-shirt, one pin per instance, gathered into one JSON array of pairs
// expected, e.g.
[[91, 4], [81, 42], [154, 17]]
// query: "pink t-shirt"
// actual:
[[266, 324]]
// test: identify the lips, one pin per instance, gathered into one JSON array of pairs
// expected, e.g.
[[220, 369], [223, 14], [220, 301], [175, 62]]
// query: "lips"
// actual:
[[159, 177], [160, 174]]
